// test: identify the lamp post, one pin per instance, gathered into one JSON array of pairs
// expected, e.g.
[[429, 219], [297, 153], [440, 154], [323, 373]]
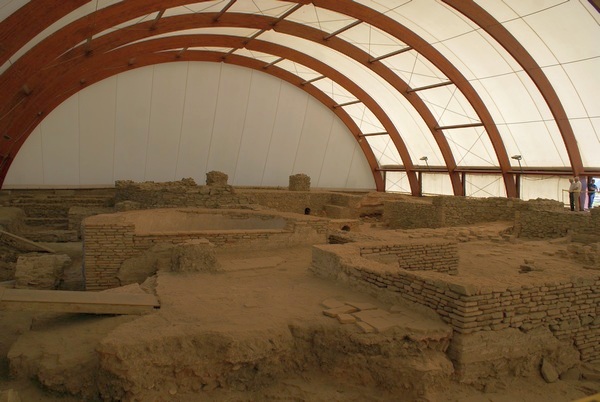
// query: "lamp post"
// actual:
[[422, 158], [518, 183]]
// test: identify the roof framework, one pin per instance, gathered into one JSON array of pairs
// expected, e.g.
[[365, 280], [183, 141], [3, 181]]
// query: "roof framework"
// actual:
[[382, 58]]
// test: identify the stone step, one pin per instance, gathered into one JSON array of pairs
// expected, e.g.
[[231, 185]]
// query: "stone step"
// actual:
[[37, 211], [49, 222], [66, 202], [49, 235]]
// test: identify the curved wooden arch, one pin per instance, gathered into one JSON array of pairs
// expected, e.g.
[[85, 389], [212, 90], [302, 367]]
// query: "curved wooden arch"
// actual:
[[103, 66], [171, 24], [407, 36], [103, 19], [489, 24], [468, 8], [139, 31]]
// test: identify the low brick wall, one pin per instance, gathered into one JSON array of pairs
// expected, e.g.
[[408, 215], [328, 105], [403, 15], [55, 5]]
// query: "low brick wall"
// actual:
[[445, 211], [183, 193], [552, 224], [111, 239], [568, 308], [439, 256]]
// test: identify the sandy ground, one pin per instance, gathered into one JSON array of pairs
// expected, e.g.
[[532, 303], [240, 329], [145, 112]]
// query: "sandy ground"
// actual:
[[262, 292]]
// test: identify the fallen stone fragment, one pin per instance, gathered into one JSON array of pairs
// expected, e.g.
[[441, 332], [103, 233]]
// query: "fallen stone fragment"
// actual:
[[346, 319], [548, 372], [332, 303], [366, 328], [334, 312]]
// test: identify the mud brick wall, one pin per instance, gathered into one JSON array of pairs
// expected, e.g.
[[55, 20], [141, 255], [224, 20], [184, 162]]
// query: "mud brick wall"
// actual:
[[109, 240], [446, 211], [106, 246], [569, 308], [411, 215], [552, 224], [286, 201], [441, 256], [178, 194]]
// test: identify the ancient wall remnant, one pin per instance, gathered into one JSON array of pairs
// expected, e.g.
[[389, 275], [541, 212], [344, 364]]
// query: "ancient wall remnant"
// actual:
[[444, 211], [299, 182], [183, 193], [567, 308], [111, 239], [195, 256], [215, 178], [40, 271], [553, 224], [439, 256]]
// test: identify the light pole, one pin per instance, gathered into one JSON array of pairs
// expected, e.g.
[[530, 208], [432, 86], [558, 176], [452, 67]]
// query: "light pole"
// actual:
[[518, 159]]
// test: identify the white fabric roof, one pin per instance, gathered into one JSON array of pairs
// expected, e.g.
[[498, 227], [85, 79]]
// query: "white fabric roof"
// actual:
[[561, 37]]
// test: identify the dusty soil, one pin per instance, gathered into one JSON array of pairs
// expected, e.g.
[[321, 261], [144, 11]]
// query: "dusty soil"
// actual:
[[242, 319]]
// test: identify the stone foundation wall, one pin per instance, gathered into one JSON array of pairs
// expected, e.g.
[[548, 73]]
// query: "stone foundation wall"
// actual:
[[183, 193], [106, 246], [552, 224], [411, 215], [569, 309], [111, 239], [440, 256], [444, 211]]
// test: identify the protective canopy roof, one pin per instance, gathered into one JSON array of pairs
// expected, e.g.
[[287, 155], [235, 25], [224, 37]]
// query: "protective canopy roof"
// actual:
[[435, 86]]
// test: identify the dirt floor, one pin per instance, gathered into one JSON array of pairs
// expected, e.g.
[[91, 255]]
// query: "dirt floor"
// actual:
[[256, 332]]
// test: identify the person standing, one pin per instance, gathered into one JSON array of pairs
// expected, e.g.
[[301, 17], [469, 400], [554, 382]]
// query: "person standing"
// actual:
[[577, 194], [592, 189], [571, 194]]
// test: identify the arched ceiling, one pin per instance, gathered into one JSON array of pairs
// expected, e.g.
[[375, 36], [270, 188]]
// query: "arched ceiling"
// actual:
[[459, 84]]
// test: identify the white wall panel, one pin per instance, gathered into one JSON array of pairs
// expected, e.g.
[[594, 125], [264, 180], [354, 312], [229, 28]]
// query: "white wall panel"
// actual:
[[167, 122], [60, 144], [286, 135], [132, 123], [166, 111], [230, 117], [202, 91], [359, 175], [27, 170], [254, 147], [314, 140], [97, 112], [338, 157]]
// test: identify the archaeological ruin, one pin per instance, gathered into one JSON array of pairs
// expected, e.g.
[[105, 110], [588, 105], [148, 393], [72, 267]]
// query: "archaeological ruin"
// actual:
[[380, 294]]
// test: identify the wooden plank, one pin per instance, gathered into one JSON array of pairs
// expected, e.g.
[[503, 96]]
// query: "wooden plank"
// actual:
[[77, 302], [22, 244]]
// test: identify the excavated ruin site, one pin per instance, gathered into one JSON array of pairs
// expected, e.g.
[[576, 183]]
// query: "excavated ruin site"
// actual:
[[296, 294]]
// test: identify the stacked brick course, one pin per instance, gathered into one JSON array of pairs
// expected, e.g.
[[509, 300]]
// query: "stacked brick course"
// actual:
[[444, 211], [111, 239], [568, 308], [299, 182], [177, 194], [107, 245], [439, 256]]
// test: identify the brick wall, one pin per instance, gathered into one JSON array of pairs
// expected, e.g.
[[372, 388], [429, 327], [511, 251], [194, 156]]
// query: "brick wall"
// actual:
[[552, 224], [105, 247], [568, 308], [177, 194], [444, 211], [439, 256], [109, 240], [406, 214]]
